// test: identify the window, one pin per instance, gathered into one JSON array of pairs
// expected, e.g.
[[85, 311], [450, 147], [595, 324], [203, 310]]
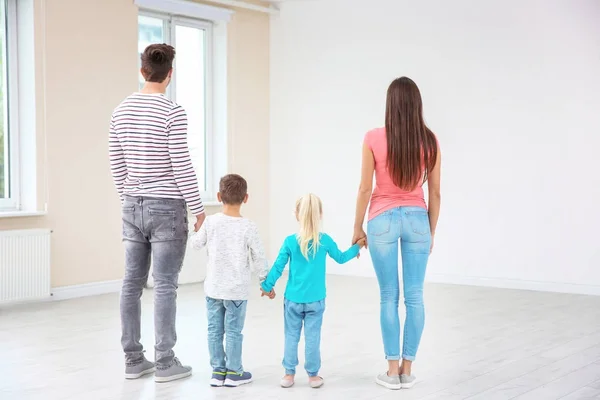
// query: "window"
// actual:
[[191, 84], [9, 190]]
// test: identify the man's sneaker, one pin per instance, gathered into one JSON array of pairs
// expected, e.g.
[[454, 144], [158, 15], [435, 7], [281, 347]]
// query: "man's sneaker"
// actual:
[[217, 379], [407, 381], [137, 371], [173, 372], [233, 379], [390, 382]]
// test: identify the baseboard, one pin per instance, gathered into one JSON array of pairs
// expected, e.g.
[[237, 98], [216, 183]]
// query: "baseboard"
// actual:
[[94, 289], [592, 290], [87, 289], [557, 287]]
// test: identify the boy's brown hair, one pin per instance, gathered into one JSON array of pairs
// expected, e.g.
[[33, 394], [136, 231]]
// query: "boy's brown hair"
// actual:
[[157, 62], [233, 189]]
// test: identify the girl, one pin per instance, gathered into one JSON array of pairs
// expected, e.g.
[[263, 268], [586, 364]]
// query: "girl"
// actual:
[[403, 156], [304, 301]]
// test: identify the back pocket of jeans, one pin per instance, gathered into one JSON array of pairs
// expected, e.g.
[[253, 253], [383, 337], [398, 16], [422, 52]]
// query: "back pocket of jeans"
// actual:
[[419, 222], [380, 225], [163, 223]]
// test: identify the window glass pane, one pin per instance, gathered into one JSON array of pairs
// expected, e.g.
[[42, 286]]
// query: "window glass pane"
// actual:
[[150, 30], [190, 90], [4, 143]]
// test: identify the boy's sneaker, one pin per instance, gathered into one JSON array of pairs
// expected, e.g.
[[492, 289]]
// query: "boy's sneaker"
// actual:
[[174, 372], [233, 379], [217, 379], [407, 381], [390, 382], [137, 371]]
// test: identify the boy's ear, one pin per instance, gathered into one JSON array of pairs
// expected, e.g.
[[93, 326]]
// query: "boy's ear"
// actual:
[[246, 198], [219, 197]]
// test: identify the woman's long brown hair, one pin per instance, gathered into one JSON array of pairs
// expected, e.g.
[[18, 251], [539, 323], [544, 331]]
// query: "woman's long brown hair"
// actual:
[[411, 146]]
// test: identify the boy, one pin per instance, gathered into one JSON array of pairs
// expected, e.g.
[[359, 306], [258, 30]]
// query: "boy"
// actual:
[[234, 251]]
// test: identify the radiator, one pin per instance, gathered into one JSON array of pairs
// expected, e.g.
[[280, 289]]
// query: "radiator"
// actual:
[[24, 265]]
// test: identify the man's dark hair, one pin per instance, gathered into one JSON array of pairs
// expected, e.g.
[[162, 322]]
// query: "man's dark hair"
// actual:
[[157, 62], [233, 189]]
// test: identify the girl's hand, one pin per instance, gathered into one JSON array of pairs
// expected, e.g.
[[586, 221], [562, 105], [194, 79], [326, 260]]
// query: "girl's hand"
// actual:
[[270, 295], [360, 238]]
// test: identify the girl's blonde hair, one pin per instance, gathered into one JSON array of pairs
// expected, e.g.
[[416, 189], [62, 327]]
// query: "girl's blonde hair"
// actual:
[[309, 210]]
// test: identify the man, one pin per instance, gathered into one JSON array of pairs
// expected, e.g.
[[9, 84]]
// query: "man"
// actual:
[[153, 172]]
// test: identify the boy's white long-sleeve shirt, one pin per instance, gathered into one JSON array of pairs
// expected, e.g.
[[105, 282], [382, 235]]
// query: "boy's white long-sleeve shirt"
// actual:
[[234, 252]]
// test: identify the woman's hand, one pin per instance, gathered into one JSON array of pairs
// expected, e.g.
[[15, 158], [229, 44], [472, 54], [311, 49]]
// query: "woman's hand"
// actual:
[[358, 235]]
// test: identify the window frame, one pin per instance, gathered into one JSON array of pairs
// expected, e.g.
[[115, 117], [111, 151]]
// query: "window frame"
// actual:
[[170, 23], [11, 110]]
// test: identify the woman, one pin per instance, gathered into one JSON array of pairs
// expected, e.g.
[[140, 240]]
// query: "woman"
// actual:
[[403, 155]]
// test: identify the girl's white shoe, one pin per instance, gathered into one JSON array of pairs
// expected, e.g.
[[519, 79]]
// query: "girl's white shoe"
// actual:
[[287, 382], [317, 383]]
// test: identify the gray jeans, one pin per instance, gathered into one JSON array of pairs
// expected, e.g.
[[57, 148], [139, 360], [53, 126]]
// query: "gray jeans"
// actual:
[[154, 229]]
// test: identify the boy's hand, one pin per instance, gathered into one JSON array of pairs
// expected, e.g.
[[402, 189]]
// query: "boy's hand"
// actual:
[[199, 221], [270, 295]]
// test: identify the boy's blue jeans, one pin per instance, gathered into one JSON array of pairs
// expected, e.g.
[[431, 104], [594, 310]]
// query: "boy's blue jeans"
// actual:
[[410, 227], [311, 314], [226, 317]]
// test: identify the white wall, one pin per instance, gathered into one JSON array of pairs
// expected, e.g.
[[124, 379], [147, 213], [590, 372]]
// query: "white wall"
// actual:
[[512, 88]]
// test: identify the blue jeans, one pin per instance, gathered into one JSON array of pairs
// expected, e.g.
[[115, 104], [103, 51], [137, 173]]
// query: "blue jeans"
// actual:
[[294, 315], [410, 227], [226, 318]]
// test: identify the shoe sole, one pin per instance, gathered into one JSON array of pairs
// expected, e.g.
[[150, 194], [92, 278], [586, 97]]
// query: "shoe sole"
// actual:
[[163, 379], [388, 385], [287, 385], [231, 383], [216, 383], [317, 385], [408, 385], [140, 374]]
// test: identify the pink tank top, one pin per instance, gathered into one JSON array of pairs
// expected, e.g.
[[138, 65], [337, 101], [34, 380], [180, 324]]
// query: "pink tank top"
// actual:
[[386, 194]]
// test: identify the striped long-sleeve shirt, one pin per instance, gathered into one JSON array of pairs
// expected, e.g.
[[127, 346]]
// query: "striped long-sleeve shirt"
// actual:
[[148, 149]]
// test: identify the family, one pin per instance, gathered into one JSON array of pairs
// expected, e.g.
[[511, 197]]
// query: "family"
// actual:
[[157, 184]]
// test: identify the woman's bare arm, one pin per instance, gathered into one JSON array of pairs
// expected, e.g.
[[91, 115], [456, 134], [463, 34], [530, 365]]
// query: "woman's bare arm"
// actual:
[[364, 192], [435, 196]]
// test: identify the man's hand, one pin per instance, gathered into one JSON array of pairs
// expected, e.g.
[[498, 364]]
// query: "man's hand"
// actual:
[[270, 295], [199, 221]]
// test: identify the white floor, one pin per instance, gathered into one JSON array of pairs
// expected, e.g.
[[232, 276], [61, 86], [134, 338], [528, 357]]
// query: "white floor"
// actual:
[[479, 343]]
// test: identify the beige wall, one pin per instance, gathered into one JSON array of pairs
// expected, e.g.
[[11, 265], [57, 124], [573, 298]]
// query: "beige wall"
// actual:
[[90, 65]]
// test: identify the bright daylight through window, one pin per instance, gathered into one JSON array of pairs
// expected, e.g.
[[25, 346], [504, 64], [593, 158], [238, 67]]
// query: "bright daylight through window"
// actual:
[[7, 186], [191, 82]]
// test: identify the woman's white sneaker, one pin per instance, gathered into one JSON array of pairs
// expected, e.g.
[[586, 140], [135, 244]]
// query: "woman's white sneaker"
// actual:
[[389, 382], [407, 381]]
